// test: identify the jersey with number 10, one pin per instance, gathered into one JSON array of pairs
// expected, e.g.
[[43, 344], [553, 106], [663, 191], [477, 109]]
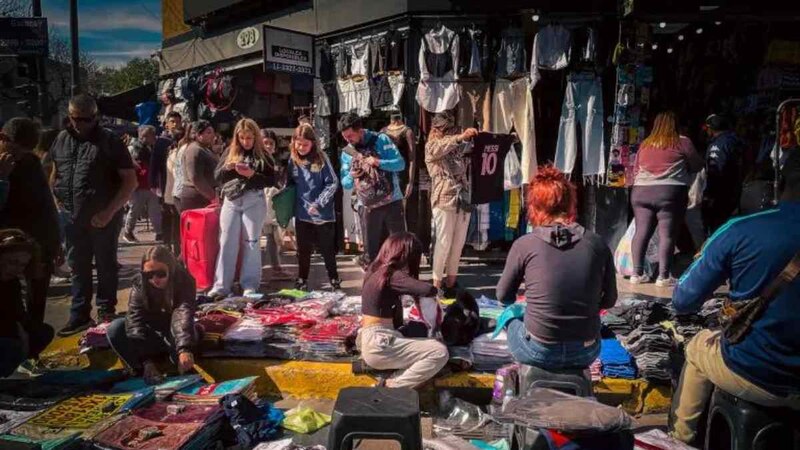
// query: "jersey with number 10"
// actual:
[[488, 160]]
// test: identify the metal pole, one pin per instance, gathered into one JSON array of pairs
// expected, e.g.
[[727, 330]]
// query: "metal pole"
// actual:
[[73, 30], [42, 71]]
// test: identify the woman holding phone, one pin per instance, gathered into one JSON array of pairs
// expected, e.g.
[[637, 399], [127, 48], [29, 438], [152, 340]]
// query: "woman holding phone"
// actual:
[[245, 169]]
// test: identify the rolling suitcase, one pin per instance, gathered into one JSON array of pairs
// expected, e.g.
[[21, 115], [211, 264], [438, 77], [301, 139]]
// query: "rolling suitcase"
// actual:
[[200, 243]]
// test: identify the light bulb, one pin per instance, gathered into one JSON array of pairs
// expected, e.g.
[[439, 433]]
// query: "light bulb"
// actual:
[[655, 47], [700, 31], [662, 25], [536, 17], [718, 23], [670, 50], [680, 37]]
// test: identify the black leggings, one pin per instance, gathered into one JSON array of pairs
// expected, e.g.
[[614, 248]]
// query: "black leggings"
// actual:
[[324, 235], [666, 205]]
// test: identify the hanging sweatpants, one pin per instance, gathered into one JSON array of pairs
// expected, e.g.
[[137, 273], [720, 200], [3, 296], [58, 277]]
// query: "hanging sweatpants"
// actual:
[[240, 222], [512, 106], [451, 233], [583, 103]]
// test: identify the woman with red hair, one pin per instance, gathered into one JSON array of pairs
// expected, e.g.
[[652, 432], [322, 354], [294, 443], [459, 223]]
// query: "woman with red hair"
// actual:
[[569, 277]]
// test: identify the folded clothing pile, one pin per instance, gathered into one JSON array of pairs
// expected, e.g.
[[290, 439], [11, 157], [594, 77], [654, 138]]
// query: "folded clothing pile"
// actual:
[[95, 338], [615, 323], [209, 394], [329, 340], [213, 325], [490, 354], [596, 370], [165, 426], [651, 346], [643, 313], [489, 308], [616, 361], [163, 390], [347, 306]]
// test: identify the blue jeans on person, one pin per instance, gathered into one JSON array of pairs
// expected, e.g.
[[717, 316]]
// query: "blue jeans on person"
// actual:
[[241, 222], [133, 352], [85, 243], [564, 355]]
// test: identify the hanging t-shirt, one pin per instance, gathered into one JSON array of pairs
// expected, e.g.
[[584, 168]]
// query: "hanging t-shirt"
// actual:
[[488, 160]]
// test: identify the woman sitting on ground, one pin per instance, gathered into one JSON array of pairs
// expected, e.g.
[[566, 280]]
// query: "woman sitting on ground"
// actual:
[[160, 319], [394, 273], [569, 277]]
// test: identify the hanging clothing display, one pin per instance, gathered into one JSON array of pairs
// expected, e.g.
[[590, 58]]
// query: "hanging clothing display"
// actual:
[[438, 57], [395, 51], [512, 106], [583, 103], [359, 59], [474, 50], [511, 56], [551, 51], [488, 162], [474, 109], [380, 92], [341, 62], [397, 84], [322, 102], [354, 95]]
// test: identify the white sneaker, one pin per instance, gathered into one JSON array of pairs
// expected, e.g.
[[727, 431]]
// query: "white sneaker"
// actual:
[[252, 293], [640, 279], [665, 282]]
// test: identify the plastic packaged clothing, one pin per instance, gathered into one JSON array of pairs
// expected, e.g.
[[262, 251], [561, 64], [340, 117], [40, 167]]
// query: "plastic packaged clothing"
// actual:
[[304, 420]]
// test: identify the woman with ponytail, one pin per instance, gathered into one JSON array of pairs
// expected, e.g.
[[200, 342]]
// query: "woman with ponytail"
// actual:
[[569, 277], [160, 319]]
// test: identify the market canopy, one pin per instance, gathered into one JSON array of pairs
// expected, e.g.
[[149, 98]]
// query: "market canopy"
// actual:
[[123, 105]]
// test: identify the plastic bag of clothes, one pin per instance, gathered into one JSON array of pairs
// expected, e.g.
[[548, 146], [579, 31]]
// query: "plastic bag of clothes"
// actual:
[[551, 409], [251, 423], [623, 256], [304, 420]]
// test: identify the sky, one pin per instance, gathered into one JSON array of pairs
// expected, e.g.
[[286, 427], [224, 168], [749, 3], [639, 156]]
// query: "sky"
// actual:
[[111, 31]]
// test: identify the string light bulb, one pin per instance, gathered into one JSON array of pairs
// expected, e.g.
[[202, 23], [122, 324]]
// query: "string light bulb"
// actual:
[[670, 50], [662, 25], [536, 17], [681, 37], [699, 30], [718, 23], [655, 46]]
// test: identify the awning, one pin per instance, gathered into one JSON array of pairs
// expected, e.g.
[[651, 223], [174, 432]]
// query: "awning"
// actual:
[[123, 105]]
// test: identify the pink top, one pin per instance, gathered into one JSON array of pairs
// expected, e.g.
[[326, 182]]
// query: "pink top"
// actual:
[[670, 166]]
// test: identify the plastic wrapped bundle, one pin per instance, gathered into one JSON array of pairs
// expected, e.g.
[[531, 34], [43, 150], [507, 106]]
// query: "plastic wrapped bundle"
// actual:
[[347, 306], [329, 340], [491, 354]]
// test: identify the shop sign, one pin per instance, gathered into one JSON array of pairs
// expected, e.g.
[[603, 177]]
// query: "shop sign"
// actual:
[[23, 36], [288, 51], [247, 38]]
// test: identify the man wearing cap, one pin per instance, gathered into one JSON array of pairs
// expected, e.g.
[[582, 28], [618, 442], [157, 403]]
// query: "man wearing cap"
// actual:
[[724, 167]]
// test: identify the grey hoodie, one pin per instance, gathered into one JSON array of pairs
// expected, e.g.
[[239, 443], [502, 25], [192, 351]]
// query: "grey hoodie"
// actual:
[[569, 277]]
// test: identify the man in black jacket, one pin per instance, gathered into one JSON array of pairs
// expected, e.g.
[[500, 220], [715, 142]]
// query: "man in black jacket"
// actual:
[[93, 179]]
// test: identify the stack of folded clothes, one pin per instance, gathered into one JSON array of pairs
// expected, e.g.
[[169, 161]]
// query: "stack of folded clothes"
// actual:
[[209, 394], [643, 313], [596, 370], [329, 340], [95, 338], [163, 390], [615, 323], [650, 345], [490, 354], [347, 306], [213, 325], [616, 361], [165, 426]]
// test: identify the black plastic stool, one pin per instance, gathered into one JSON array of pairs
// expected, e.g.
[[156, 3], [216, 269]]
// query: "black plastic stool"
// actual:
[[571, 381], [376, 413], [736, 424]]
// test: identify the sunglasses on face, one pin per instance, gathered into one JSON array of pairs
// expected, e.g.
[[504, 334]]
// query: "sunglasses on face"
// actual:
[[160, 274], [81, 119]]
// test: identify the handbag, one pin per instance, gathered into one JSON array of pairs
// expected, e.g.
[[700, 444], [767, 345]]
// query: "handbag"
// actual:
[[737, 318], [283, 203]]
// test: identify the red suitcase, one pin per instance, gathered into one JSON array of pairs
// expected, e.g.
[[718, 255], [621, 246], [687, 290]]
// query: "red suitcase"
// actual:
[[200, 243]]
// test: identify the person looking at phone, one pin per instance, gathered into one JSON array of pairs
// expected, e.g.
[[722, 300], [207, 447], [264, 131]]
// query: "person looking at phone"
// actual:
[[244, 170]]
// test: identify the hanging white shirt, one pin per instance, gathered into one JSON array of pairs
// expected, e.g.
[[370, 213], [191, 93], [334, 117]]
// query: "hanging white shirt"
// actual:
[[438, 94]]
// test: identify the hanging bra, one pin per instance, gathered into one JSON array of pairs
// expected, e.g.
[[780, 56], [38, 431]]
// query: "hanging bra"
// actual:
[[438, 64]]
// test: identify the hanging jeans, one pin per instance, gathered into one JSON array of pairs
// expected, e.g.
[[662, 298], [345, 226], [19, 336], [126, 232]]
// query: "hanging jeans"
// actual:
[[583, 103], [241, 222], [512, 106]]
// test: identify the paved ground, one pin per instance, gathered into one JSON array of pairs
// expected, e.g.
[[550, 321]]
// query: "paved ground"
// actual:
[[480, 273]]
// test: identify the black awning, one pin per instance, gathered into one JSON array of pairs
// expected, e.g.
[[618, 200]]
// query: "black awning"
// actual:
[[123, 105]]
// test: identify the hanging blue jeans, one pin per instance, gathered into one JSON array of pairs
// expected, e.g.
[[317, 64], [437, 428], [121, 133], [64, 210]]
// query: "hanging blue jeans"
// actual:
[[240, 222], [564, 355], [583, 103]]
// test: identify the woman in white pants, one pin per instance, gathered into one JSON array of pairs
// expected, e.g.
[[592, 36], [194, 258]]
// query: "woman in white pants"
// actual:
[[244, 170], [447, 165]]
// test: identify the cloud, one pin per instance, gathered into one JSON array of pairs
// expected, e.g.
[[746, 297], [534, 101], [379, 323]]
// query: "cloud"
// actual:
[[112, 20]]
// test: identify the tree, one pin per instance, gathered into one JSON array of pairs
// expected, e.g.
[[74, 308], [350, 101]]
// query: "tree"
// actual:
[[135, 73]]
